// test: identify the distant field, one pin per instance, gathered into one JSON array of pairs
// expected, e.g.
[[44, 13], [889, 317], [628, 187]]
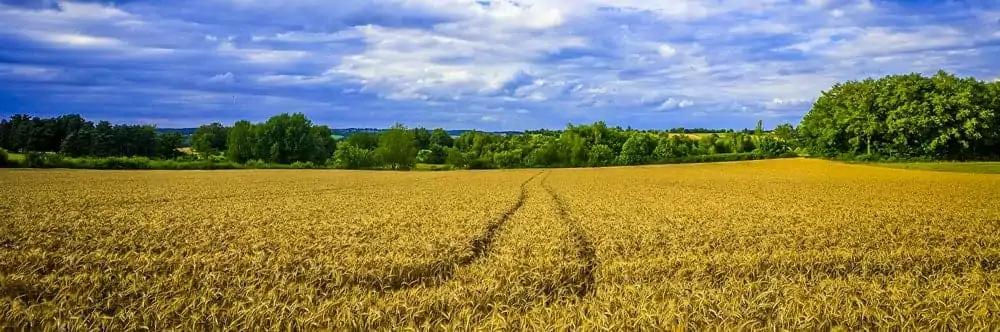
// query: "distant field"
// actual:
[[15, 156], [796, 244], [690, 135], [967, 167]]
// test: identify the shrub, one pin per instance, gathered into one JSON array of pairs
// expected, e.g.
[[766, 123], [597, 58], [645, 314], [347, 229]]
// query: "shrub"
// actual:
[[441, 168], [351, 157], [480, 163], [303, 165], [34, 160], [255, 163], [4, 158]]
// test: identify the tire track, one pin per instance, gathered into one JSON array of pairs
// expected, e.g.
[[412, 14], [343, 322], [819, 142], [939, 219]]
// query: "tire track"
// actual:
[[583, 280], [436, 273]]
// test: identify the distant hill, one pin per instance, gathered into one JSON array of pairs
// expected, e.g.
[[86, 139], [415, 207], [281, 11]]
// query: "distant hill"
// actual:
[[340, 132], [183, 131], [349, 131]]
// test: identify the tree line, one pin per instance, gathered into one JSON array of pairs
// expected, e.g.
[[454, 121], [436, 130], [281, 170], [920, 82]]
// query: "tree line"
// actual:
[[74, 136], [942, 117], [292, 139]]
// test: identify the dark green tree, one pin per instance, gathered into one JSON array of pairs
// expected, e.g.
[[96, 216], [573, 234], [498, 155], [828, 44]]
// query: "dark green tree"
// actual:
[[168, 143], [440, 137], [397, 148], [210, 139], [80, 143], [241, 142]]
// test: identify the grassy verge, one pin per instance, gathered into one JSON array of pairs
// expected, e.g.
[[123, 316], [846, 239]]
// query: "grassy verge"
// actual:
[[432, 167], [16, 157], [52, 160], [963, 167]]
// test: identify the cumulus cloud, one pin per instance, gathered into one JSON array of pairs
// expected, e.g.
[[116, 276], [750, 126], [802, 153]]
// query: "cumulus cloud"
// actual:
[[449, 60], [672, 103], [666, 50], [226, 78], [712, 63]]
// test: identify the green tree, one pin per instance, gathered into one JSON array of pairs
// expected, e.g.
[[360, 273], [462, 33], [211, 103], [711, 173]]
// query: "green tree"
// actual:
[[785, 132], [940, 117], [638, 149], [324, 145], [168, 144], [363, 140], [421, 138], [104, 137], [349, 156], [210, 139], [456, 158], [80, 143], [241, 142], [440, 137], [397, 148], [600, 155]]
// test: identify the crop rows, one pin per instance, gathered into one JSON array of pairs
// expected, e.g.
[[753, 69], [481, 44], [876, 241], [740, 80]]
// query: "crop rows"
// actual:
[[785, 244]]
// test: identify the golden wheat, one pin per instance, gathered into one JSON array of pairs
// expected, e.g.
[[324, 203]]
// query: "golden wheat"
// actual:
[[789, 244]]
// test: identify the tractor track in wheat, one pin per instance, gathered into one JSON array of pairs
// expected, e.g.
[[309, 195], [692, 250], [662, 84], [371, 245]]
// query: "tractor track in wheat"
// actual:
[[439, 272], [584, 279]]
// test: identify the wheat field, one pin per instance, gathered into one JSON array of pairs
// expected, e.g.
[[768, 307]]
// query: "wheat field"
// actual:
[[779, 244]]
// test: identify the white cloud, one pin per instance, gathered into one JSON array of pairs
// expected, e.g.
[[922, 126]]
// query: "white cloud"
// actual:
[[226, 78], [294, 79], [33, 73], [73, 39], [761, 27], [875, 41], [819, 3], [262, 55], [672, 103], [309, 37], [575, 56], [451, 59], [90, 11], [782, 103], [666, 50]]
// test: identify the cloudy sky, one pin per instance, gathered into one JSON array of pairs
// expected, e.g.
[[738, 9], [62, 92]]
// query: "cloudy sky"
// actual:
[[485, 64]]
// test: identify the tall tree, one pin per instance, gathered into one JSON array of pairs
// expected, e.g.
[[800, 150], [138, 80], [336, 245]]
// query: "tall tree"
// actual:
[[168, 144], [363, 140], [241, 143], [80, 143], [421, 138], [210, 139], [397, 148], [442, 138]]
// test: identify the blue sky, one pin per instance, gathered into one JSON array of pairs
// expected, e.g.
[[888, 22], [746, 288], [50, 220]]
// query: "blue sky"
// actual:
[[461, 64]]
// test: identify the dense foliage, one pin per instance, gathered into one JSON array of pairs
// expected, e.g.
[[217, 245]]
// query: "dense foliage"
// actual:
[[73, 136], [906, 116], [283, 139], [292, 139]]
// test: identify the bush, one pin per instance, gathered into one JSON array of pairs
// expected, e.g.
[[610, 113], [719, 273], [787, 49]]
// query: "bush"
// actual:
[[441, 168], [255, 163], [34, 160], [351, 157], [480, 163], [303, 165], [4, 158]]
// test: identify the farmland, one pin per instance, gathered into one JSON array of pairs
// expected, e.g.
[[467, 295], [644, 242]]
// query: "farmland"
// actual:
[[794, 244]]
